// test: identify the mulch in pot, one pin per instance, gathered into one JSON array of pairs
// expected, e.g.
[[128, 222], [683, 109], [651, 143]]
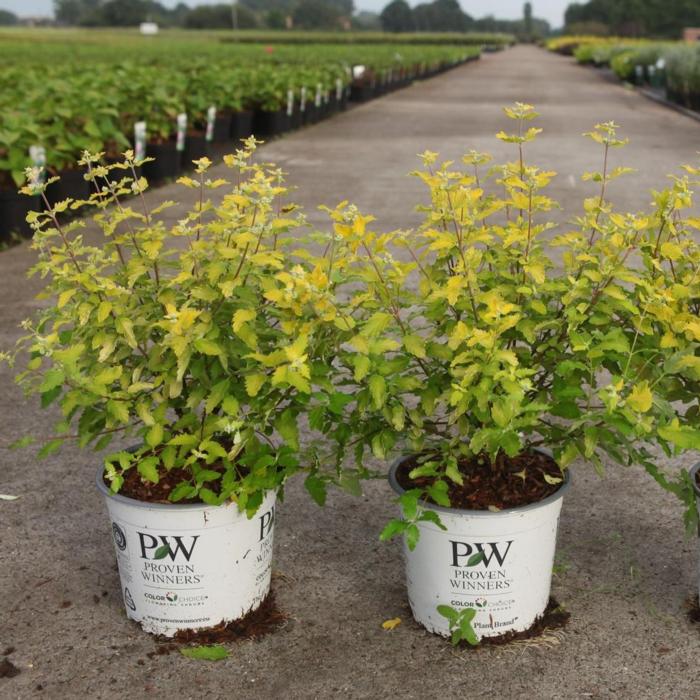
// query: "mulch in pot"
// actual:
[[142, 490], [510, 482]]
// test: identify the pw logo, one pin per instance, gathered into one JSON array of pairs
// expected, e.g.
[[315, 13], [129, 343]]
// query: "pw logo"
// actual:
[[267, 520], [166, 546], [463, 552]]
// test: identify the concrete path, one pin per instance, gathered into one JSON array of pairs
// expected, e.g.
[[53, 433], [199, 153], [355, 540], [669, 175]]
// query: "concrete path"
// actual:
[[624, 569]]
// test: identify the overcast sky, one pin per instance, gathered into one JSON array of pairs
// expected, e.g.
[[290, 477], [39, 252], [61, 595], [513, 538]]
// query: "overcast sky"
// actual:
[[551, 10]]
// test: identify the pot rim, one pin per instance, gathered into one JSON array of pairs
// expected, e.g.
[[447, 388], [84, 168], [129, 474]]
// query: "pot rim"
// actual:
[[694, 471], [559, 493]]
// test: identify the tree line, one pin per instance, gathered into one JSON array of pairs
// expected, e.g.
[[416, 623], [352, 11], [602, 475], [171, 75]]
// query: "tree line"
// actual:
[[634, 18], [397, 16], [246, 14], [448, 16]]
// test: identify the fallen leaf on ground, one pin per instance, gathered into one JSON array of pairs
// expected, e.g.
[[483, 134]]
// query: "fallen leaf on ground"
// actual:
[[391, 624]]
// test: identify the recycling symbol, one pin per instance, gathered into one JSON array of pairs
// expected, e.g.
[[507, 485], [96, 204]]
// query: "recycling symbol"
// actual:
[[128, 600], [119, 536]]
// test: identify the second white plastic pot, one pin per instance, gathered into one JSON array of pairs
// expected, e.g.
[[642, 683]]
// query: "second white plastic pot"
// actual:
[[190, 566], [509, 588]]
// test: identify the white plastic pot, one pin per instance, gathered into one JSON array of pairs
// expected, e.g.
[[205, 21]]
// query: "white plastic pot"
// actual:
[[693, 476], [509, 588], [190, 566]]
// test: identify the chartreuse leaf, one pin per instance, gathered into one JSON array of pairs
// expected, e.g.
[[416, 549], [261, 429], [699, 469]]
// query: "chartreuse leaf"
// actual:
[[415, 345], [391, 624], [22, 442], [393, 528], [212, 652], [640, 399], [154, 436], [377, 389], [431, 516], [253, 383], [148, 469], [412, 535], [52, 379], [286, 425], [683, 436]]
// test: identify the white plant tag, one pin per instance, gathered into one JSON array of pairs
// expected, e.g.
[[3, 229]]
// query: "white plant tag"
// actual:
[[37, 155], [211, 118], [290, 102], [139, 141], [317, 97], [181, 129], [338, 89], [302, 101]]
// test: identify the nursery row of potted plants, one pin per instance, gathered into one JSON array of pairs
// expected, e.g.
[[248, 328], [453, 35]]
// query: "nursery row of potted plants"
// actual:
[[490, 39], [199, 349], [227, 93], [671, 67]]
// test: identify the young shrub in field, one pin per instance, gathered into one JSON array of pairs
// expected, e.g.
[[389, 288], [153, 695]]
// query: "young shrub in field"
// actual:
[[486, 334], [203, 341]]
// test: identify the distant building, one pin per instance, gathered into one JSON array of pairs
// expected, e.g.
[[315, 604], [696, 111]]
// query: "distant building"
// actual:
[[148, 28], [691, 34]]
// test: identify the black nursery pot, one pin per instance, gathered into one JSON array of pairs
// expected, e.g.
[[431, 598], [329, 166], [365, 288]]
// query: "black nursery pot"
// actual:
[[72, 183], [270, 123], [332, 106], [166, 164], [361, 93], [295, 120], [222, 126], [14, 208], [241, 125], [196, 147], [310, 115]]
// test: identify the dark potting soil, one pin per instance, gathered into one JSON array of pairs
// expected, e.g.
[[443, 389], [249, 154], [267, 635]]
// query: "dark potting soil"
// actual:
[[509, 483], [553, 618], [137, 488], [254, 625]]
